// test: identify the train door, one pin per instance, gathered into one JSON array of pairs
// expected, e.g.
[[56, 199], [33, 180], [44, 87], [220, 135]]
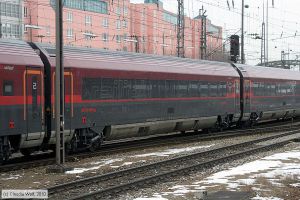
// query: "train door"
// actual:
[[68, 100], [237, 96], [33, 107], [247, 96]]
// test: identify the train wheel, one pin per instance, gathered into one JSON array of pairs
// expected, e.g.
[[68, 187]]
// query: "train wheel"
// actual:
[[27, 152]]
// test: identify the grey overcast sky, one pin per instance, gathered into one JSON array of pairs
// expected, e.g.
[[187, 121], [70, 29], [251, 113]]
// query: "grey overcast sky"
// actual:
[[284, 23]]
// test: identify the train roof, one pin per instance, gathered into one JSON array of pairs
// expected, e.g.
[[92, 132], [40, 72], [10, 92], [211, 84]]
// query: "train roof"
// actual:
[[16, 52], [260, 72], [90, 58]]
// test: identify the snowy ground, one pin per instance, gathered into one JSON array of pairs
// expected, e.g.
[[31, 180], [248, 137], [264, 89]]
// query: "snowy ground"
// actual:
[[273, 168], [138, 158]]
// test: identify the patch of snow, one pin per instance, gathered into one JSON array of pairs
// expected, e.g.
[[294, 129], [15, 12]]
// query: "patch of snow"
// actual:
[[265, 198], [110, 162], [12, 177], [107, 161], [269, 167], [181, 190], [155, 197], [169, 152], [99, 165], [127, 163], [295, 185]]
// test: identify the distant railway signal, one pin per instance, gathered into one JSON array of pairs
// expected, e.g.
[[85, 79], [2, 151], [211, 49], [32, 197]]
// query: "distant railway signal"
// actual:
[[234, 47]]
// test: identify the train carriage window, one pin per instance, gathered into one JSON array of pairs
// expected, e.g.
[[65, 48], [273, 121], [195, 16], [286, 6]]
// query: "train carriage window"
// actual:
[[182, 89], [255, 89], [222, 89], [203, 89], [91, 88], [297, 89], [282, 89], [261, 90], [193, 88], [162, 88], [155, 88], [213, 89], [127, 88], [140, 88], [290, 89], [273, 90], [267, 89], [107, 85], [170, 88], [278, 92], [116, 89], [8, 88]]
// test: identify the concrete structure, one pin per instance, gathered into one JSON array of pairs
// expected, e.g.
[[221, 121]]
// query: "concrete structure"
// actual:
[[11, 19], [119, 25]]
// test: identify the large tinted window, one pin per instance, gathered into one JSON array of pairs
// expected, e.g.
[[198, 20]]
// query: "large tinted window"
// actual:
[[108, 88]]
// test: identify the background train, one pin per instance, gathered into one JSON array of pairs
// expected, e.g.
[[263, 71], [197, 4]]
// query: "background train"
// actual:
[[113, 95]]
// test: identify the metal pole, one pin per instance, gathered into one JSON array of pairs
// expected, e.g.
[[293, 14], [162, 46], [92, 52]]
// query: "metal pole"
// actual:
[[0, 21], [203, 33], [59, 86], [180, 29], [267, 34], [242, 34], [264, 35], [262, 56], [163, 43]]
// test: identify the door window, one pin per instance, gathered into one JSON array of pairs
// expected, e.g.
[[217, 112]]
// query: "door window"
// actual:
[[8, 88]]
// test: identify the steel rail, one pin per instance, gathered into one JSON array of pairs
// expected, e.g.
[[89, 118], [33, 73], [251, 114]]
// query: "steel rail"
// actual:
[[53, 191]]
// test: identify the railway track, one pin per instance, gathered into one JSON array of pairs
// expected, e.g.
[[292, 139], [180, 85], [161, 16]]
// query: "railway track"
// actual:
[[130, 145], [108, 185]]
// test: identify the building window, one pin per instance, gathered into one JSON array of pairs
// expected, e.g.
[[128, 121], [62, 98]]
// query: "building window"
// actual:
[[118, 11], [105, 22], [124, 23], [88, 19], [91, 6], [125, 11], [118, 38], [118, 24], [105, 37], [8, 88], [70, 16], [10, 10], [69, 33], [25, 11]]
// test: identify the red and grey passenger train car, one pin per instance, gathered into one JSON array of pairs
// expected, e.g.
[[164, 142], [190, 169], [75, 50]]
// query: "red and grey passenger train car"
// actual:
[[270, 93], [114, 95], [21, 98]]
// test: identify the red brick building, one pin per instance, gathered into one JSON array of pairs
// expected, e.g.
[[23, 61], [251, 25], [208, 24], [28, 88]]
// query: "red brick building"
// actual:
[[119, 25]]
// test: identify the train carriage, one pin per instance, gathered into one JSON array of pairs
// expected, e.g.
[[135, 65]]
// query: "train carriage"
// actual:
[[115, 95], [21, 98], [270, 93]]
